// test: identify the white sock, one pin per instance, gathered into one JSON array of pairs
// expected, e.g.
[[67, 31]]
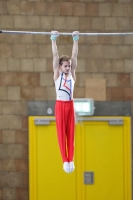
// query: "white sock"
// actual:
[[66, 167], [71, 166]]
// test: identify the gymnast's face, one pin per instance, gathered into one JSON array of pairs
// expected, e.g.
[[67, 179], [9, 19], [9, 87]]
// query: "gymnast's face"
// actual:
[[65, 67]]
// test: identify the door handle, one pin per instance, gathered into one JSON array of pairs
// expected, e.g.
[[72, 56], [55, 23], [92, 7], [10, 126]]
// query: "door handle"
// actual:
[[41, 121]]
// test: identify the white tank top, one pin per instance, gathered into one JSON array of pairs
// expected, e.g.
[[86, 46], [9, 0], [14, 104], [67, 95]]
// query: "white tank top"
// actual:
[[64, 86]]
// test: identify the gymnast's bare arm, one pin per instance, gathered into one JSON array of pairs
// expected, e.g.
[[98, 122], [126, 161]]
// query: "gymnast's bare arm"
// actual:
[[74, 56], [55, 58]]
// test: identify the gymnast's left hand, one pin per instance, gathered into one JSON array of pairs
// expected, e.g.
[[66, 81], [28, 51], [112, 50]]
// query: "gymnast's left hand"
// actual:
[[75, 33]]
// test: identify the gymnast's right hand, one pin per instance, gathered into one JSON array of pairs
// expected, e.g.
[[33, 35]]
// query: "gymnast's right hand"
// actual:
[[54, 35]]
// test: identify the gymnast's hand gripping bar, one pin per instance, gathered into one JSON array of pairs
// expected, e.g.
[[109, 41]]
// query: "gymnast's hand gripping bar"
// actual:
[[61, 33]]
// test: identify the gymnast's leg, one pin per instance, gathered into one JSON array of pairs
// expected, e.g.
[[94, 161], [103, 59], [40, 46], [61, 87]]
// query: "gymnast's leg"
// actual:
[[70, 135], [61, 132]]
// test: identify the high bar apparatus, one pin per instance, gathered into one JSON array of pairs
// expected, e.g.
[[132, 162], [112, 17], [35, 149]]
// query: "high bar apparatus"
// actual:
[[63, 33]]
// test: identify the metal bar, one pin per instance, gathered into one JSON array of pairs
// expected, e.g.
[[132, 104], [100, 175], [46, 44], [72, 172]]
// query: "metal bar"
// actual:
[[61, 33], [41, 121], [112, 121]]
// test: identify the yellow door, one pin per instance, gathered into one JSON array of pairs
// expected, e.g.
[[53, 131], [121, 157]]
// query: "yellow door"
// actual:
[[47, 178], [102, 161], [106, 156]]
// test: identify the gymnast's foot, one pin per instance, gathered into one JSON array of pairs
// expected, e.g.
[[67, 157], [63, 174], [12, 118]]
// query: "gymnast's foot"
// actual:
[[66, 167], [71, 166]]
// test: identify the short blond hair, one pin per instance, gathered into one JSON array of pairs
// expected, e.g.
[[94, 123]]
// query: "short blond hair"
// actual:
[[64, 58]]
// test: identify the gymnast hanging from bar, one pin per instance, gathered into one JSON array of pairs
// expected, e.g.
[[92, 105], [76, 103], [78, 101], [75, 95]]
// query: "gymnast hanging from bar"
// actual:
[[64, 77]]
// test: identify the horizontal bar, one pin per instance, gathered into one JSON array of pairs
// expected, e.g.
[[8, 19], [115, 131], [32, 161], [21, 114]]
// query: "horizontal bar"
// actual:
[[61, 33]]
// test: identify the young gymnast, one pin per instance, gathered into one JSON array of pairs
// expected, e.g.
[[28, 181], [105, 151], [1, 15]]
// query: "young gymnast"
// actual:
[[64, 77]]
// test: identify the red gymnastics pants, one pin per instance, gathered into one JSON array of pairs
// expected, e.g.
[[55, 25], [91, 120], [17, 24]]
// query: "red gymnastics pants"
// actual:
[[65, 123]]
